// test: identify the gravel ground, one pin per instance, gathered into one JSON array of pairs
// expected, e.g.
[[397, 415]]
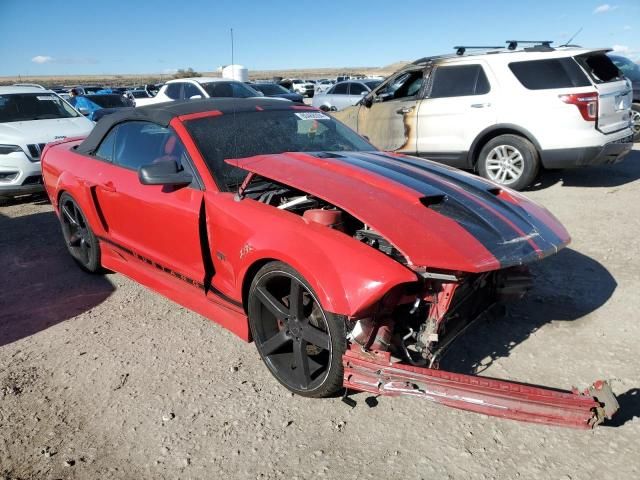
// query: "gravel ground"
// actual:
[[101, 378]]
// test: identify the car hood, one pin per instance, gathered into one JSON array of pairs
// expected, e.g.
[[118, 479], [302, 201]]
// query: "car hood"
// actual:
[[438, 217], [44, 131]]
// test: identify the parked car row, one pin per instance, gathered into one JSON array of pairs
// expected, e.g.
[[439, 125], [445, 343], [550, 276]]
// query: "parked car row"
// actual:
[[504, 114]]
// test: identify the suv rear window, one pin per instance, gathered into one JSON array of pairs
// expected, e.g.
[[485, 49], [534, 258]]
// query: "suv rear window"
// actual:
[[459, 81], [551, 73], [600, 67]]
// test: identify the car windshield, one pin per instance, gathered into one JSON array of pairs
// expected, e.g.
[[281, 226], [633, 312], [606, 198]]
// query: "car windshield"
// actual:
[[139, 94], [372, 83], [270, 88], [229, 89], [630, 69], [20, 107], [108, 101], [246, 134]]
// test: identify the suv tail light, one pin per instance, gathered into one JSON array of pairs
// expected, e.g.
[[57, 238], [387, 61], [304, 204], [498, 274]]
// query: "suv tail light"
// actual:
[[587, 103]]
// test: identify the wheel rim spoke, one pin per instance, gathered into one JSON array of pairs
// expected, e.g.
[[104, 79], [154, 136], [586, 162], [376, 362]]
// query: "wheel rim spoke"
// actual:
[[316, 337], [273, 305], [296, 299], [69, 215], [275, 343], [301, 363]]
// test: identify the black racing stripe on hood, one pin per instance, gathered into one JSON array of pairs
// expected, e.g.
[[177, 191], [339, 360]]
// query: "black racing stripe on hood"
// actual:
[[547, 238], [496, 235]]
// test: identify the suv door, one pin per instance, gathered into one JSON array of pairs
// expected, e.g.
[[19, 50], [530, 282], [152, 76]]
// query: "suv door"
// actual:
[[458, 105], [156, 224], [387, 115]]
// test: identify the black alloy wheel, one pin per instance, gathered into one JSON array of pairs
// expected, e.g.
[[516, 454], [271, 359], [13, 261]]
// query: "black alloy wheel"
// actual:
[[78, 236], [301, 344]]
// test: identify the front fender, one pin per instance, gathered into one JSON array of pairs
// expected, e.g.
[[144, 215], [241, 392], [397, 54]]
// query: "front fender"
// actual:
[[348, 276]]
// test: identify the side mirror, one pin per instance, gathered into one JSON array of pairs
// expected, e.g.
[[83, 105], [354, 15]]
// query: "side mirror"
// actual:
[[164, 173], [84, 111], [367, 101], [363, 93], [383, 97], [195, 97]]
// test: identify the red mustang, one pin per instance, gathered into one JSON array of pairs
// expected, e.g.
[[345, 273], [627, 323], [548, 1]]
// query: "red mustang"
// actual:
[[347, 266]]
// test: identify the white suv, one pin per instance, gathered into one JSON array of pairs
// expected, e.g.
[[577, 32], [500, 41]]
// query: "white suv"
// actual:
[[31, 117], [503, 113], [199, 87]]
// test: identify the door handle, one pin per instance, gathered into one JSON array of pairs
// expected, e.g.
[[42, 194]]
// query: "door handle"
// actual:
[[403, 110], [107, 186], [480, 105]]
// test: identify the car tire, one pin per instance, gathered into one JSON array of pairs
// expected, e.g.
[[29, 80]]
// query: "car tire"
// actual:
[[81, 242], [635, 116], [300, 343], [509, 160]]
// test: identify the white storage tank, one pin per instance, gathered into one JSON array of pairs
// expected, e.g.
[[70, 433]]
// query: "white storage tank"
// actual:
[[236, 72]]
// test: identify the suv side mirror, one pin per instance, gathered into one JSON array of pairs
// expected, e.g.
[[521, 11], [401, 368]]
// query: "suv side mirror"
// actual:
[[164, 173], [367, 100], [383, 97]]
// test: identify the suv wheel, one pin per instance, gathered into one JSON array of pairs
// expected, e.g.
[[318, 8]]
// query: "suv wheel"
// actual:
[[635, 119], [509, 160]]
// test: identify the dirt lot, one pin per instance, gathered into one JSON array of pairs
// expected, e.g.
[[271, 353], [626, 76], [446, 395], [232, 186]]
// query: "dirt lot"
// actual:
[[101, 378]]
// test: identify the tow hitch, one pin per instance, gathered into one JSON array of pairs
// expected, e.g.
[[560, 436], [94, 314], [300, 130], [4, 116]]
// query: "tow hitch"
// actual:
[[375, 373]]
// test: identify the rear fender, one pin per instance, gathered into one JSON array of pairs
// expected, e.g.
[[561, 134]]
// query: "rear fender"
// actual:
[[81, 193]]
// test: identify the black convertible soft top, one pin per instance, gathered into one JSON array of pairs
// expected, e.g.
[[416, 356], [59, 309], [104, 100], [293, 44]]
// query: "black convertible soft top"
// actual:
[[163, 113]]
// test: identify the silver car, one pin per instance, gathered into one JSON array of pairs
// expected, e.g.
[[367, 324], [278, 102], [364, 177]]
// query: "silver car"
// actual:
[[344, 94]]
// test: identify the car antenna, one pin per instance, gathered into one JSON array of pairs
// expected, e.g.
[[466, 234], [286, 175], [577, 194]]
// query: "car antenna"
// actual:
[[235, 130], [571, 39]]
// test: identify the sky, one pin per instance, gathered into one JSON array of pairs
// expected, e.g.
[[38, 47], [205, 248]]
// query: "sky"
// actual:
[[42, 37]]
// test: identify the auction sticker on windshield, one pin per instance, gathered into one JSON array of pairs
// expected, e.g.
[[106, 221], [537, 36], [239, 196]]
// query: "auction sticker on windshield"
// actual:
[[311, 116], [46, 97]]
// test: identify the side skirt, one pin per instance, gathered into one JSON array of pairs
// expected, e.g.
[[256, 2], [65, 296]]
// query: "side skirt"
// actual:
[[191, 296]]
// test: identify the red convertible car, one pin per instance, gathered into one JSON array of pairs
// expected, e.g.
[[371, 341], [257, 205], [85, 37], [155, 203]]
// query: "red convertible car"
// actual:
[[348, 267]]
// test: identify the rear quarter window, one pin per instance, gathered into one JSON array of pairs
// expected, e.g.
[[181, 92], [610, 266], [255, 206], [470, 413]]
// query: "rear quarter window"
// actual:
[[548, 74], [600, 67]]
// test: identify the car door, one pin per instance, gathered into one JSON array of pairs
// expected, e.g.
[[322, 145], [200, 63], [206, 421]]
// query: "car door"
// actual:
[[336, 96], [191, 91], [387, 115], [458, 105], [174, 91], [357, 91], [158, 224]]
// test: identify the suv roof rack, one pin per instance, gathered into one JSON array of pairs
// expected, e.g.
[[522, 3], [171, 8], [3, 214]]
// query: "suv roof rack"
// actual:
[[460, 49], [513, 44]]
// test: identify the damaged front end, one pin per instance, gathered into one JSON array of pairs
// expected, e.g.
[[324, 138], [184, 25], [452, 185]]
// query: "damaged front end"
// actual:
[[477, 241], [397, 353]]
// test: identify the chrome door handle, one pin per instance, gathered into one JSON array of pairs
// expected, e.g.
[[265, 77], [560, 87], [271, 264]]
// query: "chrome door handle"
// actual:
[[403, 110], [480, 105]]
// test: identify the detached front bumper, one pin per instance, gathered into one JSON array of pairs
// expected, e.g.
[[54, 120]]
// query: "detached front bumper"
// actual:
[[608, 153], [374, 373]]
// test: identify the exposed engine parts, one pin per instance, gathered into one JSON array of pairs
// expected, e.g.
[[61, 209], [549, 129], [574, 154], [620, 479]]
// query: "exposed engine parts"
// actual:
[[316, 210]]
